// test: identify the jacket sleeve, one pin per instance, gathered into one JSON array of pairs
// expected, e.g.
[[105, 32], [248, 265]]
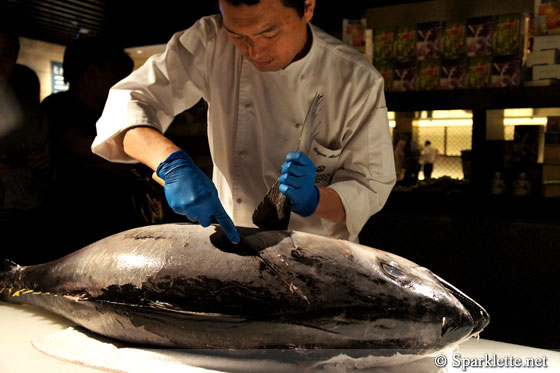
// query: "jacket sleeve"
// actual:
[[163, 87], [366, 174]]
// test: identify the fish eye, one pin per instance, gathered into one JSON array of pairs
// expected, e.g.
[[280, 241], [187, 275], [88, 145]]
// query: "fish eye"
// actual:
[[392, 271]]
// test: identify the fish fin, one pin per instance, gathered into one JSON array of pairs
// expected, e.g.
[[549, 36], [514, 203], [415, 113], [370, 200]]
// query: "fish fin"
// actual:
[[6, 265], [273, 212], [310, 125]]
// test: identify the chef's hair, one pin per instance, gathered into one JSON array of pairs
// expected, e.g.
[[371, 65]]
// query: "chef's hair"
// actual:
[[298, 5]]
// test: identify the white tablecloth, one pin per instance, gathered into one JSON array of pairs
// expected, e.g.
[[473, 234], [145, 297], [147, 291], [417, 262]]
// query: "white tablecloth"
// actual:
[[22, 326]]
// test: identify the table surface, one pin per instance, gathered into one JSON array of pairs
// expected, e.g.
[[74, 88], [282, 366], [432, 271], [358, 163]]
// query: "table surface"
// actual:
[[19, 324]]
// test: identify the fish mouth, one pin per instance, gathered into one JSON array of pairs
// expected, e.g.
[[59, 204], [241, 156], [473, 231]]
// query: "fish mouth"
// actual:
[[479, 315]]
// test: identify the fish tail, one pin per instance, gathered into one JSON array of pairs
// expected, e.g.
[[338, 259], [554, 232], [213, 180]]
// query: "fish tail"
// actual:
[[7, 271]]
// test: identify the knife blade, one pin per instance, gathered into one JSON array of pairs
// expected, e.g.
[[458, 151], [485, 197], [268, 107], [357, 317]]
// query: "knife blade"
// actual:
[[273, 212]]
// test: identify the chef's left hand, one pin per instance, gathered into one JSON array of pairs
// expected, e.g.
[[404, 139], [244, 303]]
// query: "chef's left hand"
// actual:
[[297, 182]]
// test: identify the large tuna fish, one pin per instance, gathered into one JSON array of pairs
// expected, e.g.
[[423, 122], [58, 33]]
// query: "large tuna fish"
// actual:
[[183, 285]]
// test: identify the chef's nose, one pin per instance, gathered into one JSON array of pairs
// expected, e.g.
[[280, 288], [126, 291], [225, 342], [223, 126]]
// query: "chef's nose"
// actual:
[[256, 49]]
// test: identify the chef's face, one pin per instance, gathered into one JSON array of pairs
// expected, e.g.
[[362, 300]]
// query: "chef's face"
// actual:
[[268, 34]]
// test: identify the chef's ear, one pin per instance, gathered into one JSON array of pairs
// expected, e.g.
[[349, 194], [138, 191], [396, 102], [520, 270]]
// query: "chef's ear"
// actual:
[[308, 10]]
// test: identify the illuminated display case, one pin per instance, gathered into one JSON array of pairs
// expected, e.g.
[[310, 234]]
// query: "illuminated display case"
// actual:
[[479, 102]]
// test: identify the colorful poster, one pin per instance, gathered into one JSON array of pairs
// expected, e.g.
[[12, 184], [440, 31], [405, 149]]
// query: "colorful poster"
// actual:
[[506, 72], [478, 72], [386, 70], [453, 74], [405, 78], [383, 39], [353, 33], [508, 35], [428, 75], [428, 41], [453, 45], [405, 44], [547, 17], [480, 36]]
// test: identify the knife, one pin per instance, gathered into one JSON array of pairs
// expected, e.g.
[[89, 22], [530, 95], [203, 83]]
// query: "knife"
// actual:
[[273, 212]]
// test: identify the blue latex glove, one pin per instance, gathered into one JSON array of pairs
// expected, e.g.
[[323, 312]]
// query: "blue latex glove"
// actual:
[[297, 182], [190, 192]]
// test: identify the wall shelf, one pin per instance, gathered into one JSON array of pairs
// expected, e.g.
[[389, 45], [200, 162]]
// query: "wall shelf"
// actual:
[[475, 99]]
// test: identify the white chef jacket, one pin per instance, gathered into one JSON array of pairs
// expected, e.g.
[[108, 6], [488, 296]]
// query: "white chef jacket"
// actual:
[[255, 119]]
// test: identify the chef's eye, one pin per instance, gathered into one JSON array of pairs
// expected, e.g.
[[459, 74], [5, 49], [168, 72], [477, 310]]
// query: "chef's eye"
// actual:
[[392, 271], [270, 35]]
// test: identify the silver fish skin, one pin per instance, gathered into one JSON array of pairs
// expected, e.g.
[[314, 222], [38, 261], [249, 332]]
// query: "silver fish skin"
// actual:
[[182, 285]]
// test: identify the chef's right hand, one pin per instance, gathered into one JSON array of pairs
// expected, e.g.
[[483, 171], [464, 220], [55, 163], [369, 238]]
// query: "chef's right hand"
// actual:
[[191, 193]]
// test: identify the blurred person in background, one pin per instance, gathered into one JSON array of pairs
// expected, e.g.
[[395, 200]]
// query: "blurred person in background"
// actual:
[[411, 163], [93, 195], [26, 171], [428, 158]]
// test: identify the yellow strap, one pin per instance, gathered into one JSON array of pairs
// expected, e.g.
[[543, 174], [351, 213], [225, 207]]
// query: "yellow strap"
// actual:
[[17, 293]]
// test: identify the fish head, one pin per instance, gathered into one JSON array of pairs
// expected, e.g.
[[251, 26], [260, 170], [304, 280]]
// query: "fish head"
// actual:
[[481, 318], [410, 302]]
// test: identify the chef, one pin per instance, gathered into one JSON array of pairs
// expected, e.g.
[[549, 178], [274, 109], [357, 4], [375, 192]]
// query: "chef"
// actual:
[[259, 65]]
